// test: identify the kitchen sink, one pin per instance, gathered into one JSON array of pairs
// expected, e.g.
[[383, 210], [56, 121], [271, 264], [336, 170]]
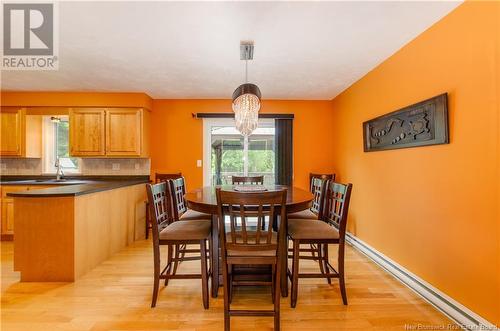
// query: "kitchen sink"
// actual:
[[60, 181]]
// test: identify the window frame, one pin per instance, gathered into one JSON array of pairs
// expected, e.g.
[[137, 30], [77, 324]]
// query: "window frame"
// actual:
[[49, 144], [208, 124]]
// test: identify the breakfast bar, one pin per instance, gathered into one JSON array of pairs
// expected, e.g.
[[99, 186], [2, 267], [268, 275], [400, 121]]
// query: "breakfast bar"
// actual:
[[63, 232]]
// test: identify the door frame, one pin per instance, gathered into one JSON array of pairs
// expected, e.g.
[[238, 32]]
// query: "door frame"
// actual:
[[208, 123]]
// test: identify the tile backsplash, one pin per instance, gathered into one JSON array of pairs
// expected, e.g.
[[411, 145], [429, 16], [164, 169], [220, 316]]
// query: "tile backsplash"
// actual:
[[23, 167], [105, 167], [89, 167]]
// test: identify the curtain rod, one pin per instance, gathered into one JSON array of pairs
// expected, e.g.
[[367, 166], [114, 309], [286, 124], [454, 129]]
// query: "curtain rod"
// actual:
[[231, 115]]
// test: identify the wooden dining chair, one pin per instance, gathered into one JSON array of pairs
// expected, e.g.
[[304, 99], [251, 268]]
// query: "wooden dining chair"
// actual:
[[180, 212], [252, 180], [322, 176], [315, 212], [159, 177], [174, 234], [246, 243], [329, 230]]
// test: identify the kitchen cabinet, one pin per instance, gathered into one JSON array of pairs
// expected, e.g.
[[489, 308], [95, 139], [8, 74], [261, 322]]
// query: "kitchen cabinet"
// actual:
[[87, 131], [109, 132], [21, 134], [123, 132], [7, 208]]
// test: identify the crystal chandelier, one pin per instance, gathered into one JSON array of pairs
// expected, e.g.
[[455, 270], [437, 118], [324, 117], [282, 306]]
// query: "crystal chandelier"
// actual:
[[246, 98]]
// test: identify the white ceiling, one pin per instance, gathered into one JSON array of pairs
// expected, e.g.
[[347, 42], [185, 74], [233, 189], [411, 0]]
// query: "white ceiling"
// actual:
[[303, 50]]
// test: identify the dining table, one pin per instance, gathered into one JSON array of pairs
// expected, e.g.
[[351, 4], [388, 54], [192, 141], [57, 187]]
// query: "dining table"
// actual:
[[204, 200]]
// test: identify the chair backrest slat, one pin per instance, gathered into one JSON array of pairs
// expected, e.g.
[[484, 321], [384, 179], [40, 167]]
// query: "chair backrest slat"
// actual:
[[253, 180], [247, 213], [318, 189], [260, 221], [160, 207], [178, 190], [338, 197]]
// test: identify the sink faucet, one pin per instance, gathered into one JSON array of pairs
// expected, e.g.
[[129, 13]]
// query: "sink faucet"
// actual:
[[59, 173]]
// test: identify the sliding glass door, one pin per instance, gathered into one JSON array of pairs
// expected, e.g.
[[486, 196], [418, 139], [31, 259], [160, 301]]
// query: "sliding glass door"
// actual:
[[227, 153]]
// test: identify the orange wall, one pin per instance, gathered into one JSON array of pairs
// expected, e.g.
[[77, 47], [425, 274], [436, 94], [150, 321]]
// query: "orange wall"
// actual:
[[434, 210], [177, 137], [81, 99]]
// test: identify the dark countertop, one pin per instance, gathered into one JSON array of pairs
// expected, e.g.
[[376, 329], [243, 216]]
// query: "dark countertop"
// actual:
[[45, 182], [73, 186]]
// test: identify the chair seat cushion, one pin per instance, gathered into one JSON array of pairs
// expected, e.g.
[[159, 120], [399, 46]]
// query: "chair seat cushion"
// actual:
[[189, 230], [194, 215], [311, 230], [305, 214]]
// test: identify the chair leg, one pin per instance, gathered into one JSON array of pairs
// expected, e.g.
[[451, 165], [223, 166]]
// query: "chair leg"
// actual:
[[295, 273], [325, 262], [273, 281], [225, 282], [284, 267], [213, 272], [320, 258], [169, 260], [176, 256], [341, 274], [214, 255], [204, 273], [156, 284], [276, 287]]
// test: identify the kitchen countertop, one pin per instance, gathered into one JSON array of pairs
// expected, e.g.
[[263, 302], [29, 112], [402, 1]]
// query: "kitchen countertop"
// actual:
[[74, 186], [44, 182]]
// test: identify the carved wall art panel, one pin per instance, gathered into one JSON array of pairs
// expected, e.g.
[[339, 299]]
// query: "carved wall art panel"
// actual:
[[422, 124]]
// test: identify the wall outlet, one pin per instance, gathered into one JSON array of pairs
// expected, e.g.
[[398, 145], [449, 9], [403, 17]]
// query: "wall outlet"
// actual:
[[115, 166], [3, 166], [137, 166], [199, 164]]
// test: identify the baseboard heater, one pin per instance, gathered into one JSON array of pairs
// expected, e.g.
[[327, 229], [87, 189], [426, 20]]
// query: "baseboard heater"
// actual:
[[464, 317]]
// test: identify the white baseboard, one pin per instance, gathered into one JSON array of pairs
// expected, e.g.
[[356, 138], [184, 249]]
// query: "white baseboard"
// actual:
[[457, 312]]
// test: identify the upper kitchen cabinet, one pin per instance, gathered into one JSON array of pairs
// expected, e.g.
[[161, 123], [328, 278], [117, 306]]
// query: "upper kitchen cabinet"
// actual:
[[123, 132], [87, 131], [21, 134], [111, 132]]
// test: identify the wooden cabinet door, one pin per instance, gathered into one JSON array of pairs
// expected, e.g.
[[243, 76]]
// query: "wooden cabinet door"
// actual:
[[11, 139], [8, 208], [123, 132], [86, 131], [7, 216]]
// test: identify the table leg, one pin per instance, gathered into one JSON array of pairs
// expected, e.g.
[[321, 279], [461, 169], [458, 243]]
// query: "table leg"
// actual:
[[214, 251]]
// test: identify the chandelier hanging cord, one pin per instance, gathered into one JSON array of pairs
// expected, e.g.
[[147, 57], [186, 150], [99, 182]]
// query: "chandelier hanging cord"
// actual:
[[246, 70]]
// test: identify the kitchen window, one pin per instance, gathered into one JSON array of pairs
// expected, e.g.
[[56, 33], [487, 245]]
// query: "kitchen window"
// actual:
[[56, 145]]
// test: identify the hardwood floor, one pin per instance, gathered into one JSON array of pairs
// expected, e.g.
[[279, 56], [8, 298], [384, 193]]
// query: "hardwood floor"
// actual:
[[116, 296]]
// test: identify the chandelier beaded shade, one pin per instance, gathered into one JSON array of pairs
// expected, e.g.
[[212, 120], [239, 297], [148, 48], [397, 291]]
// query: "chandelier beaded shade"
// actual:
[[246, 106], [246, 98]]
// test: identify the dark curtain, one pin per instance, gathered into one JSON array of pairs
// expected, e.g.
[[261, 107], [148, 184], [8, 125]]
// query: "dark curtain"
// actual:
[[283, 150]]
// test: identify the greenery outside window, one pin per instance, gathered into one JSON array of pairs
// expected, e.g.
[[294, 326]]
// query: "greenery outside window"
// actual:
[[227, 153], [56, 145]]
